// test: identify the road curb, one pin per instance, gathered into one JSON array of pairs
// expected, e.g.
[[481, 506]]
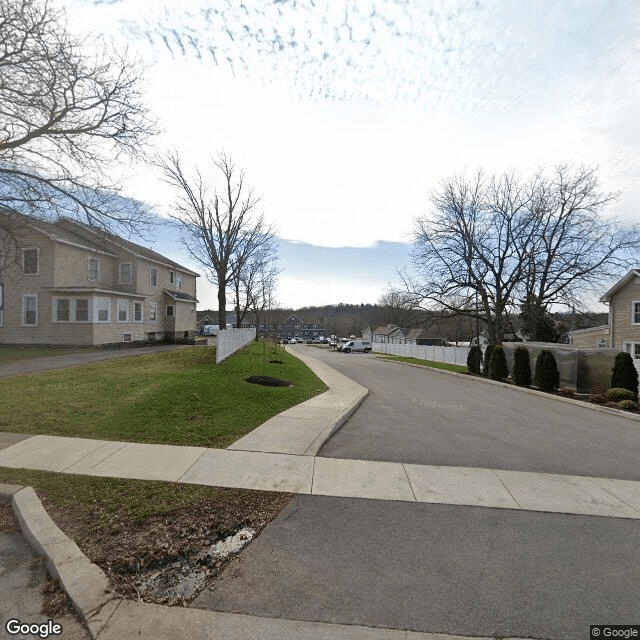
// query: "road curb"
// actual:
[[359, 395], [587, 405], [84, 582]]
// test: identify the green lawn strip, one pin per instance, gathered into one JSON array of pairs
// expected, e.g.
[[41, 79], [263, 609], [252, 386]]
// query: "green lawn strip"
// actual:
[[427, 363], [109, 501], [173, 397], [12, 354]]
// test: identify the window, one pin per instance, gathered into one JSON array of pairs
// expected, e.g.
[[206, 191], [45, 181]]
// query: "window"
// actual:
[[636, 350], [123, 311], [171, 277], [137, 311], [153, 277], [82, 310], [125, 273], [30, 261], [93, 269], [153, 312], [169, 311], [102, 309], [62, 309], [178, 282], [635, 312], [192, 311], [126, 337], [29, 311]]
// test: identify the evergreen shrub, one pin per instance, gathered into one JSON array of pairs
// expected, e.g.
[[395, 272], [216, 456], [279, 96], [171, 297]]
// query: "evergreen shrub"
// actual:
[[473, 359], [627, 404], [618, 394], [547, 376], [521, 373], [498, 369], [625, 375]]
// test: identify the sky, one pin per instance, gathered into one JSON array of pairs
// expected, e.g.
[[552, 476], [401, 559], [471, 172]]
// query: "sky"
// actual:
[[346, 115]]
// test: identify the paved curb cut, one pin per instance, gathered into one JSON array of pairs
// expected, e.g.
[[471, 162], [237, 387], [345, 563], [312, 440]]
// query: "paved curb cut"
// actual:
[[586, 405], [360, 394], [84, 582]]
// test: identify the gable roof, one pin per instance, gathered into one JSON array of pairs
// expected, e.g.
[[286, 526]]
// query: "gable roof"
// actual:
[[57, 233], [127, 245], [621, 283]]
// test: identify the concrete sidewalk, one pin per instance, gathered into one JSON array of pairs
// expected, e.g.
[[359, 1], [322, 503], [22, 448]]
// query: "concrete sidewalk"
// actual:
[[329, 476]]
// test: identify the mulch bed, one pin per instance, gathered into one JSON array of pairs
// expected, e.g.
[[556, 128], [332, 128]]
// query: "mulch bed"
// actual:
[[130, 550]]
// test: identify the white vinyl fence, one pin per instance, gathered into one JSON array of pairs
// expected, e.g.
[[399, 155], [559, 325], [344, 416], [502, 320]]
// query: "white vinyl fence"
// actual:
[[229, 341], [450, 355]]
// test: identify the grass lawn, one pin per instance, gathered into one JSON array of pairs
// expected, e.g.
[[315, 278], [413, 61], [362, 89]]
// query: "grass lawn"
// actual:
[[11, 354], [173, 397], [428, 363], [132, 501]]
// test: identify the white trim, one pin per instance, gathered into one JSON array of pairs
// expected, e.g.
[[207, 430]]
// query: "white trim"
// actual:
[[118, 301], [633, 311], [24, 297], [127, 333], [153, 308], [151, 270], [97, 278], [172, 277], [37, 250], [141, 303], [173, 311], [97, 309]]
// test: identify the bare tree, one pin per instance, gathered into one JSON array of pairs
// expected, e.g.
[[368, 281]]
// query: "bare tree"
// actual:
[[66, 118], [219, 229], [574, 248], [400, 309], [499, 244], [253, 267], [468, 248]]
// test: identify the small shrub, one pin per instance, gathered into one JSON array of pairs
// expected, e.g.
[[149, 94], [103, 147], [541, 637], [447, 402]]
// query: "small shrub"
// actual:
[[618, 394], [487, 359], [521, 373], [567, 392], [624, 375], [498, 369], [547, 376], [473, 359], [597, 398], [627, 404]]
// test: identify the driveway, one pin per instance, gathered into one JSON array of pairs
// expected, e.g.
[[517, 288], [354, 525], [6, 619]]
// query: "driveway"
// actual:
[[459, 570], [422, 416], [36, 365]]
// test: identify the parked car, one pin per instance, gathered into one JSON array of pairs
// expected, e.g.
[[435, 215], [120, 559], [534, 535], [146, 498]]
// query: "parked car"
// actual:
[[293, 341], [356, 345]]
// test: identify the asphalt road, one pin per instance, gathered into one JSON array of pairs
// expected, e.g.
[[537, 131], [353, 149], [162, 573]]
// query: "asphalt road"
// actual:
[[437, 568], [422, 416]]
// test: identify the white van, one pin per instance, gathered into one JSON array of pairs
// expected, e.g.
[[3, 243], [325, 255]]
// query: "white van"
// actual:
[[357, 345]]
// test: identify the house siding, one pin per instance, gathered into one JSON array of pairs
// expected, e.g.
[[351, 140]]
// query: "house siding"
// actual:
[[623, 330], [64, 273]]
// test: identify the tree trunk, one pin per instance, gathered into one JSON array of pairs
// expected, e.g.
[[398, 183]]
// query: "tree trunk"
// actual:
[[222, 304]]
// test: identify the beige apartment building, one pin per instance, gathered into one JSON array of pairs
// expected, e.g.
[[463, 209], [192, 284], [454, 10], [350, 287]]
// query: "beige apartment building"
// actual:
[[71, 284]]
